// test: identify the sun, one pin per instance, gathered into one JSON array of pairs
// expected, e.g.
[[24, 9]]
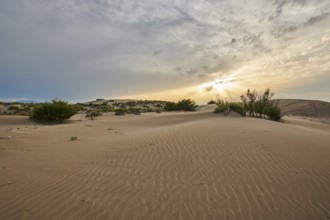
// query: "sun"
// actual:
[[219, 86]]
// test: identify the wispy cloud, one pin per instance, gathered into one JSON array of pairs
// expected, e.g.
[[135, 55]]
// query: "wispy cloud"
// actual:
[[81, 50]]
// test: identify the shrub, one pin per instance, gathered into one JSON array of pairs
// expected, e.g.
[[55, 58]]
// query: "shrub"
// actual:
[[211, 102], [263, 101], [122, 105], [238, 108], [260, 105], [106, 109], [13, 107], [273, 112], [91, 115], [183, 105], [249, 102], [186, 105], [222, 107], [120, 111], [170, 106], [253, 105], [131, 103], [135, 111], [79, 107], [57, 110], [73, 138], [27, 108]]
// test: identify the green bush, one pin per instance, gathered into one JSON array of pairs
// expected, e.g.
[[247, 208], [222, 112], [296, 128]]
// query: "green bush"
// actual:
[[186, 105], [211, 102], [222, 107], [27, 108], [238, 108], [57, 110], [260, 106], [135, 111], [13, 107], [183, 105], [73, 138], [253, 105], [120, 111], [106, 109], [131, 103], [170, 106], [91, 115], [273, 112]]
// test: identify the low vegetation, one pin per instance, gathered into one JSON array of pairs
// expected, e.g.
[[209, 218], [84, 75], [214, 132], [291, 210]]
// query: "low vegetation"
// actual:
[[92, 114], [212, 102], [135, 111], [15, 108], [253, 104], [73, 138], [183, 105], [56, 111], [120, 112], [237, 107], [222, 107]]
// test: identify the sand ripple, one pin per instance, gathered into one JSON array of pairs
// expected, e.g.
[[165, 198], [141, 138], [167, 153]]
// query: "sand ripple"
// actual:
[[191, 166]]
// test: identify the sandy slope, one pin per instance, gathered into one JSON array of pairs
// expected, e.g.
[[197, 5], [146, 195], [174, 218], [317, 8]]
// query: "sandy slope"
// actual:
[[163, 166], [307, 113], [307, 108]]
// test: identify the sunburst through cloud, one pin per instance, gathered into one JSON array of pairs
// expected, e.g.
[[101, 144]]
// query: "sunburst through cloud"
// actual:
[[113, 49]]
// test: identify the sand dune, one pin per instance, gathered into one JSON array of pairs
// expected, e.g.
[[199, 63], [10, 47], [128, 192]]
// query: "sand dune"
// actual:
[[163, 166], [307, 108], [307, 113]]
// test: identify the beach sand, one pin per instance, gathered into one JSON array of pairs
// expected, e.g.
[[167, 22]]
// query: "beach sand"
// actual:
[[164, 166]]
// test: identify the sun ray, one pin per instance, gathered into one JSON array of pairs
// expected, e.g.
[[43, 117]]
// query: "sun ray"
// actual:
[[224, 87]]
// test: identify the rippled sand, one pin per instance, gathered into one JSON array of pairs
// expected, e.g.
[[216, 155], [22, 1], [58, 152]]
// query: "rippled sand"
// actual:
[[163, 166]]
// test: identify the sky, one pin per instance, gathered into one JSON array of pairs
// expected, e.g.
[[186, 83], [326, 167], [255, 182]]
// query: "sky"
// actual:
[[80, 50]]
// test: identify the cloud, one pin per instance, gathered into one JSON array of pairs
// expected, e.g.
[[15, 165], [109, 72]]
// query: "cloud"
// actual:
[[157, 52], [80, 50], [316, 19]]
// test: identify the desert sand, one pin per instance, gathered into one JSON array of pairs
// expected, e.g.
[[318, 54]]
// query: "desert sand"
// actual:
[[164, 166]]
